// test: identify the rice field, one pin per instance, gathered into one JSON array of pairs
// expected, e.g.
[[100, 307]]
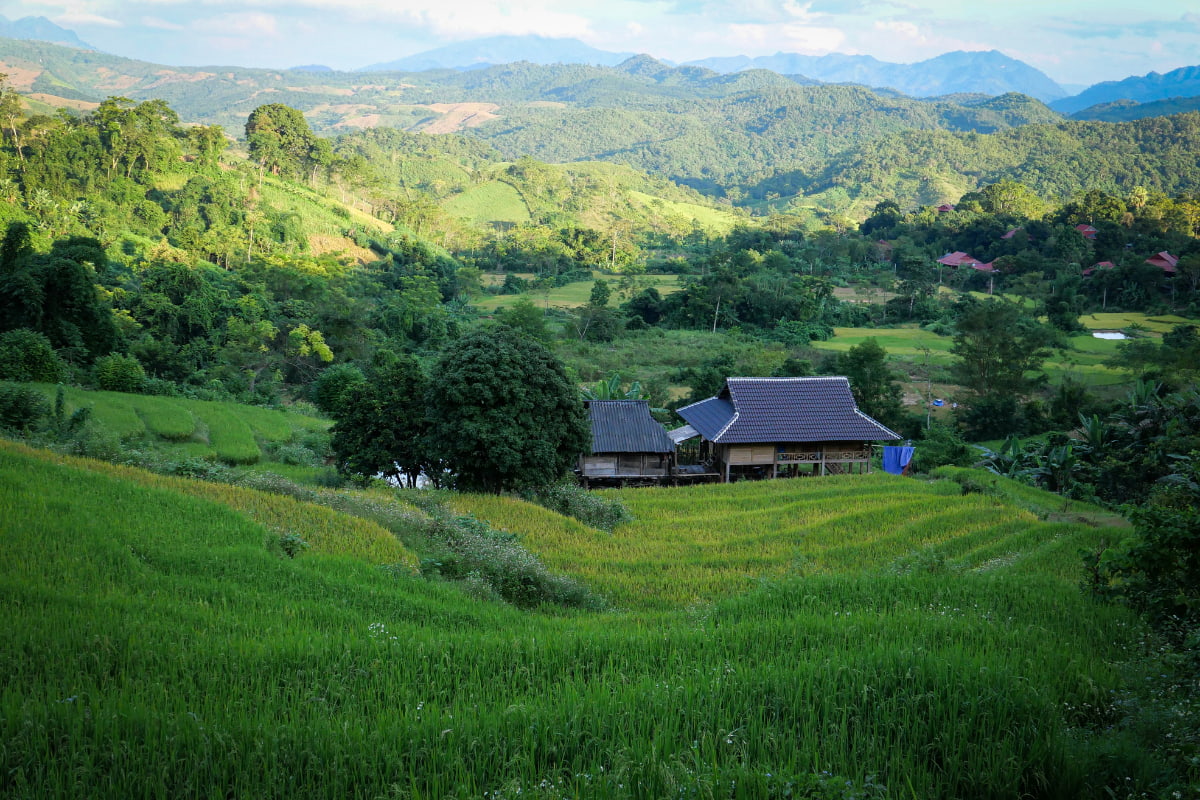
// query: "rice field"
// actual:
[[820, 638], [673, 555], [226, 432]]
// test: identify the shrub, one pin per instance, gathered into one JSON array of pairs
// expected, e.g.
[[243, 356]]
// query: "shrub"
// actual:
[[21, 408], [572, 500], [28, 356], [942, 446], [332, 385], [119, 373], [476, 554]]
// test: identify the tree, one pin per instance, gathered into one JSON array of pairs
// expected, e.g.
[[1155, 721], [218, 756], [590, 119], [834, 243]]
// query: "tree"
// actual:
[[872, 381], [997, 345], [503, 414], [381, 425], [280, 140]]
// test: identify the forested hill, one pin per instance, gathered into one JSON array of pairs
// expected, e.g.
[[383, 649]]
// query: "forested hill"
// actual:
[[1053, 160], [750, 137]]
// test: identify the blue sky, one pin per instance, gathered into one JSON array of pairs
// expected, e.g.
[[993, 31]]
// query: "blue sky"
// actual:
[[1072, 41]]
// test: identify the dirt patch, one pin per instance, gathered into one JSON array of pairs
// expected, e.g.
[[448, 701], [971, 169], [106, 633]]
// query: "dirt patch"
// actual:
[[457, 116], [112, 81], [344, 108], [868, 295], [361, 121], [341, 246], [20, 78], [63, 102]]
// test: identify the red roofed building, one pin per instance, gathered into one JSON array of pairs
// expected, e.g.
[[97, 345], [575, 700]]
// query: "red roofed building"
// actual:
[[1087, 231], [944, 207], [960, 259], [1164, 260], [1099, 265]]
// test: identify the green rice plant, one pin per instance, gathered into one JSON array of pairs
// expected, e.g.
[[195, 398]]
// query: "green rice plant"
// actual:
[[154, 645], [228, 433], [324, 530], [165, 417]]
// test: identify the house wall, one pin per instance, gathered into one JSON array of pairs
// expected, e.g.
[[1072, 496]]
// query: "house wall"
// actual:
[[785, 458], [603, 465]]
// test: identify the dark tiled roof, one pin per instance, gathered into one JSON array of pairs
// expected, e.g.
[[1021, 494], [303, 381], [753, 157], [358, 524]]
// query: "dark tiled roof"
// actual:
[[760, 410], [709, 417], [625, 426]]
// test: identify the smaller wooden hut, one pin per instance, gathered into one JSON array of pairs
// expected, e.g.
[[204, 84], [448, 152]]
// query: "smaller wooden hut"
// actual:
[[628, 445]]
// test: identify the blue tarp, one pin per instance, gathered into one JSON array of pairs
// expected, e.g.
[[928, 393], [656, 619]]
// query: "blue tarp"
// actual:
[[897, 459]]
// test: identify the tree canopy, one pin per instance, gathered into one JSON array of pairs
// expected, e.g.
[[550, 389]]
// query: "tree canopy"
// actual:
[[503, 414]]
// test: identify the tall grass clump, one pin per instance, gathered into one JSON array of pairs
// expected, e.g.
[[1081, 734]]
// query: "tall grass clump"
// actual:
[[572, 500], [468, 549]]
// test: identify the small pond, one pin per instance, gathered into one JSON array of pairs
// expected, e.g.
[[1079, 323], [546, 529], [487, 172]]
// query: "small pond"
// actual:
[[1109, 335]]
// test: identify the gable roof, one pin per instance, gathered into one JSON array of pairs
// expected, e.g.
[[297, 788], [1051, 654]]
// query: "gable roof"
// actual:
[[750, 410], [1163, 259], [625, 426], [960, 259]]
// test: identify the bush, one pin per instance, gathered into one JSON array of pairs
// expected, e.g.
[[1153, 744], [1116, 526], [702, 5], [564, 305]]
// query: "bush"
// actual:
[[119, 373], [333, 384], [942, 446], [28, 356], [21, 407], [572, 500], [480, 556]]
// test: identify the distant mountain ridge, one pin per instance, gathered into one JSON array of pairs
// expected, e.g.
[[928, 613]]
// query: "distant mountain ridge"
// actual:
[[42, 30], [1182, 82], [495, 50], [989, 72]]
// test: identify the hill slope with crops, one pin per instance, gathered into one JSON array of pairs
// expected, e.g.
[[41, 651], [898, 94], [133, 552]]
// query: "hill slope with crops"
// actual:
[[872, 637]]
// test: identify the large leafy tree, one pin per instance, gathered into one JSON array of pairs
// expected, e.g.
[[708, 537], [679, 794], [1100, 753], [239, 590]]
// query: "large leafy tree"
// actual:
[[380, 426], [281, 141], [1000, 349], [503, 414]]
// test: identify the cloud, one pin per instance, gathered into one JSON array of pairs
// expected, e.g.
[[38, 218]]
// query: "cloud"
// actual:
[[248, 24], [161, 24], [71, 18]]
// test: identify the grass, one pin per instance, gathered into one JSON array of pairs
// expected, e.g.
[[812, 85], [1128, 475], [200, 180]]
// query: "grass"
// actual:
[[805, 638], [576, 294], [713, 220], [495, 201], [184, 428]]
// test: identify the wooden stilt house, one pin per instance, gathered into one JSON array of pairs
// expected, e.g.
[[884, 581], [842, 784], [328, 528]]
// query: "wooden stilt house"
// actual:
[[777, 427], [628, 445]]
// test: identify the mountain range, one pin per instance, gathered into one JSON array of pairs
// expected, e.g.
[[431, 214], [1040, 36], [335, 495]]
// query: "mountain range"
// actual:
[[954, 74]]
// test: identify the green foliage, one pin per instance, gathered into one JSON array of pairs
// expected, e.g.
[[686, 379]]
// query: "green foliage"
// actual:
[[21, 407], [942, 446], [503, 414], [997, 346], [119, 373], [28, 356], [333, 386], [381, 426]]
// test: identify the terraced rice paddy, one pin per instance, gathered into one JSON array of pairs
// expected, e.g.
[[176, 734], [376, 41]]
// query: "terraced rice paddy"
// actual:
[[857, 636]]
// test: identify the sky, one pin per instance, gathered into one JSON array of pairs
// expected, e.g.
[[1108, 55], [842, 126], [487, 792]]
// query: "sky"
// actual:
[[1072, 41]]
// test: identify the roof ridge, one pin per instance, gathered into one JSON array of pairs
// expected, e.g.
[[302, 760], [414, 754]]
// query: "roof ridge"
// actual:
[[879, 424], [793, 378]]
